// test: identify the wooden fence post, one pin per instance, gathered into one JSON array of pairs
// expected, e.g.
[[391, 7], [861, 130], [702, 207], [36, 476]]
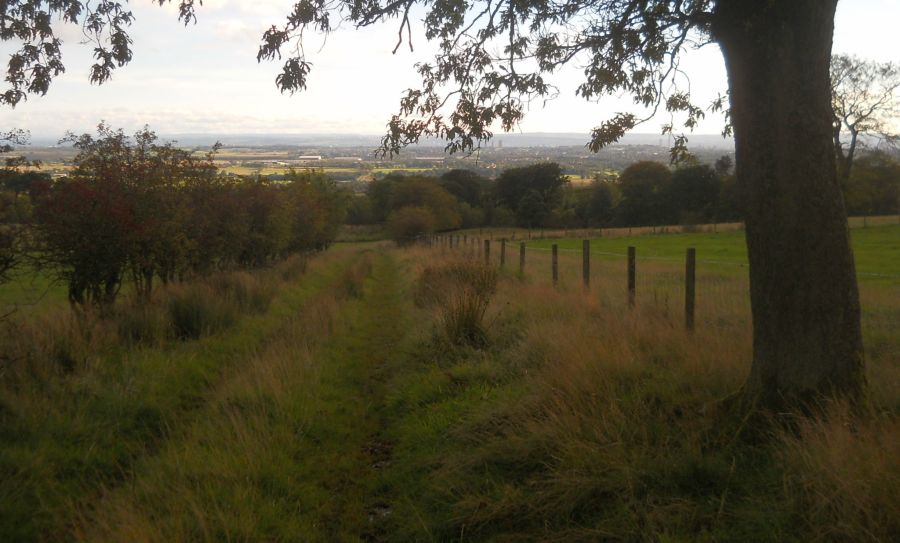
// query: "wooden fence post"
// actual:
[[586, 263], [502, 252], [689, 275], [522, 258], [487, 252], [631, 258], [555, 264]]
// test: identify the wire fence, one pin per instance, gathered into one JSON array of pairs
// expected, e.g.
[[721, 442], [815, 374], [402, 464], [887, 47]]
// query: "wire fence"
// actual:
[[685, 287], [706, 291]]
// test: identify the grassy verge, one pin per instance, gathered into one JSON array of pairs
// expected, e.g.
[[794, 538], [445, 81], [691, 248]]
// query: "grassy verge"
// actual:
[[580, 422], [70, 431], [288, 448]]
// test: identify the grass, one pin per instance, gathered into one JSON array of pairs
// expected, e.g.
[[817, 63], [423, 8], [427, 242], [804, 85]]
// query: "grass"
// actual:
[[274, 453], [31, 290], [582, 422], [877, 249], [72, 430], [338, 408]]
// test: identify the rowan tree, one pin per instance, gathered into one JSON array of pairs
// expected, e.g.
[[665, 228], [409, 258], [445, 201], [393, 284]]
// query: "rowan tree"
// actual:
[[495, 57], [318, 206]]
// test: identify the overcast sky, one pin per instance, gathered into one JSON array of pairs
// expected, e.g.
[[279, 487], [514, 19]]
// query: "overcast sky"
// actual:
[[205, 78]]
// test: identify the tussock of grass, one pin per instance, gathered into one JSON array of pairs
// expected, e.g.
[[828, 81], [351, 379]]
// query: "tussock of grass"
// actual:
[[198, 311], [232, 473], [293, 267], [353, 278], [461, 291], [842, 473]]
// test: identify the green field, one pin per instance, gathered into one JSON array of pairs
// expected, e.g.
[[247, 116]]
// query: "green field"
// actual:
[[876, 249]]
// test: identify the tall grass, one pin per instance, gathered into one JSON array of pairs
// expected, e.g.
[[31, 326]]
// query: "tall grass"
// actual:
[[586, 420], [842, 474], [542, 414], [246, 467], [461, 290], [84, 397]]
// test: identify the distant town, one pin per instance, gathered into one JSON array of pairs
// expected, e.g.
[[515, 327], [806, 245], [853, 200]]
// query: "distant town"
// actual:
[[353, 158]]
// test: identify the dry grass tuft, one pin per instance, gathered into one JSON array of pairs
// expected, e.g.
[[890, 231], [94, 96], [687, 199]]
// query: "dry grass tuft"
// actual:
[[844, 475], [461, 291]]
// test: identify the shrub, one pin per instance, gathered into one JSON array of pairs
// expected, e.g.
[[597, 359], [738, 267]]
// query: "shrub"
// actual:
[[407, 224], [462, 292]]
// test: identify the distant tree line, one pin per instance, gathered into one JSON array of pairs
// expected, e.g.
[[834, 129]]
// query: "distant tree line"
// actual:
[[539, 196], [139, 212]]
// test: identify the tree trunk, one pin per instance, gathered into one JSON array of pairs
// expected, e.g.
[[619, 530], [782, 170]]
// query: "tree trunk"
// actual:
[[807, 342]]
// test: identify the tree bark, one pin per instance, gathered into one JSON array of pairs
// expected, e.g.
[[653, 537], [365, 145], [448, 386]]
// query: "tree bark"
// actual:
[[807, 341]]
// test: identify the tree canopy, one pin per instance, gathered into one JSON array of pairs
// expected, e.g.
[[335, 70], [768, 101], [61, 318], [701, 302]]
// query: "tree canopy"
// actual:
[[493, 61]]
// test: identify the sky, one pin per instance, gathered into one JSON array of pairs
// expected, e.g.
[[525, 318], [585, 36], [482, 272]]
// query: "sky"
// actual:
[[205, 78]]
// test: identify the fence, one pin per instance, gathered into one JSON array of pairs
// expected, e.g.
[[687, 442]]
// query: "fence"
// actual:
[[524, 234], [619, 279]]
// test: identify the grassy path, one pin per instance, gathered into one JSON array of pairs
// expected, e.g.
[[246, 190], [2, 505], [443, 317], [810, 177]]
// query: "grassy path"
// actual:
[[84, 436], [335, 416], [289, 447]]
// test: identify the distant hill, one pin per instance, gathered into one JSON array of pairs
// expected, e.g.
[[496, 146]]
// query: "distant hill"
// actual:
[[536, 139]]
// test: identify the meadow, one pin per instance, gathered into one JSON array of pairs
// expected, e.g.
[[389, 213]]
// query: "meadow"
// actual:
[[381, 394]]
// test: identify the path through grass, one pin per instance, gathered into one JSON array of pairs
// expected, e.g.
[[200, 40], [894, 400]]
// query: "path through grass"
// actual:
[[344, 414], [290, 447]]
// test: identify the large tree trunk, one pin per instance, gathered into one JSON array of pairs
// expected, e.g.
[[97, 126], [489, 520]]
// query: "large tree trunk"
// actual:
[[807, 342]]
